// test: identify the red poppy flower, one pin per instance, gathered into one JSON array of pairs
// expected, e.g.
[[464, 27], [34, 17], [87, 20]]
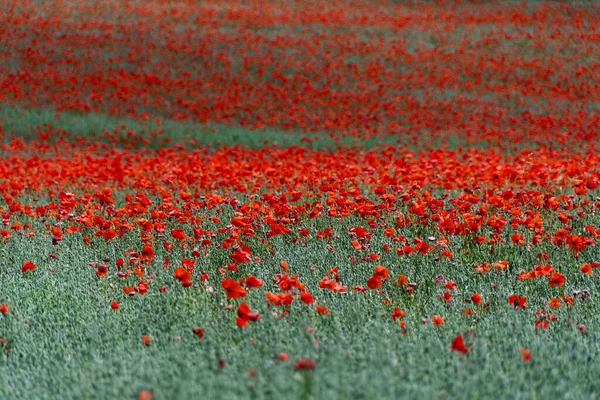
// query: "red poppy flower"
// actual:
[[245, 315], [586, 269], [556, 279], [554, 302], [381, 272], [306, 298], [476, 298], [129, 290], [233, 290], [253, 282], [182, 275], [198, 332], [458, 344], [517, 301], [398, 313], [526, 354], [305, 364], [322, 310], [27, 266]]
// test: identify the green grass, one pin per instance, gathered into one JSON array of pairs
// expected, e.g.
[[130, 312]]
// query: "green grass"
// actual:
[[27, 123], [67, 343]]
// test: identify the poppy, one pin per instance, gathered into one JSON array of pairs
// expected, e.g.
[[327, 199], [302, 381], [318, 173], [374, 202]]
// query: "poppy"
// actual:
[[241, 256], [129, 290], [458, 344], [517, 301], [182, 275], [286, 299], [499, 265], [322, 310], [283, 265], [233, 290], [305, 364], [178, 234], [145, 395], [245, 315], [381, 272], [27, 266], [273, 298], [554, 302], [568, 299], [556, 279], [525, 354], [483, 268], [198, 332], [586, 269], [253, 282], [142, 287], [437, 320], [374, 282], [397, 313], [306, 298]]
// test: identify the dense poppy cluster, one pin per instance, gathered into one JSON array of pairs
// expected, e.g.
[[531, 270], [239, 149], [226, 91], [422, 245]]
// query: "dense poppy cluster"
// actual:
[[446, 72], [176, 207], [503, 73]]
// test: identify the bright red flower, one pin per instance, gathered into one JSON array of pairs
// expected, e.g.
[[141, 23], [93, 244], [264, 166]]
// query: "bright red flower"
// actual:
[[586, 269], [273, 298], [178, 234], [27, 266], [374, 282], [182, 275], [233, 290], [554, 302], [517, 301], [450, 285], [306, 298], [526, 354], [129, 290], [381, 272], [398, 313], [245, 315], [198, 332], [305, 364], [556, 279], [476, 298], [253, 282], [458, 344], [322, 310]]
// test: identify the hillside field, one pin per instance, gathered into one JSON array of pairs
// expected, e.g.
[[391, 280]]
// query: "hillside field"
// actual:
[[299, 199]]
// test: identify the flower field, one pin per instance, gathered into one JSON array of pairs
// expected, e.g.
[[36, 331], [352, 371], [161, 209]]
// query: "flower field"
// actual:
[[299, 199]]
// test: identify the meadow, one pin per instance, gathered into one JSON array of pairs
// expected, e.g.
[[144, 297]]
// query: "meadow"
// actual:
[[299, 199]]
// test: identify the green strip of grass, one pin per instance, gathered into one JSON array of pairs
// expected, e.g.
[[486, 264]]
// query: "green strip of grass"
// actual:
[[26, 123]]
